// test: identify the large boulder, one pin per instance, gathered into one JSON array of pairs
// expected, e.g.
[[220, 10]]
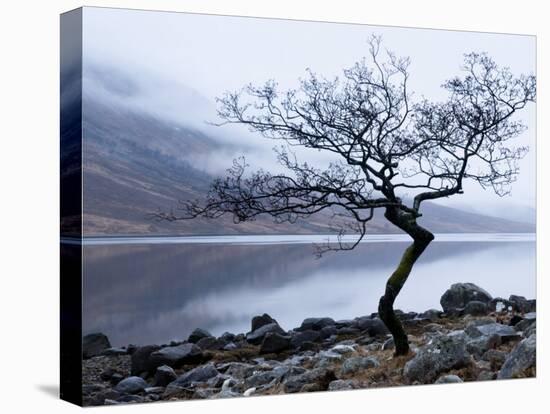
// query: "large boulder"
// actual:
[[504, 332], [373, 326], [521, 304], [522, 357], [298, 338], [197, 335], [140, 359], [316, 324], [257, 336], [94, 344], [274, 343], [131, 385], [476, 308], [176, 356], [199, 374], [440, 355], [164, 376], [455, 299], [261, 320]]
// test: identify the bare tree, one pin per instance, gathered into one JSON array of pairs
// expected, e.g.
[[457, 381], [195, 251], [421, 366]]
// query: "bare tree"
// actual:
[[384, 145]]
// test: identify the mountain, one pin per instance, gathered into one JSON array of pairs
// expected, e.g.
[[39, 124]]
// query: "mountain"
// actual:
[[136, 161]]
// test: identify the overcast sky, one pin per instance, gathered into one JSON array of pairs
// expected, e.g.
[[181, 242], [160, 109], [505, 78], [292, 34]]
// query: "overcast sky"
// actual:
[[213, 54]]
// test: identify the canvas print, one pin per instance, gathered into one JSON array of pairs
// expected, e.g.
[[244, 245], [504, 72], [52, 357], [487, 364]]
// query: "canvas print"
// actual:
[[262, 206]]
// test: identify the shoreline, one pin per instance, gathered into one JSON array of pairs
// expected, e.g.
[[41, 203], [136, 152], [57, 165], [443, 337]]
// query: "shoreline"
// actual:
[[475, 338]]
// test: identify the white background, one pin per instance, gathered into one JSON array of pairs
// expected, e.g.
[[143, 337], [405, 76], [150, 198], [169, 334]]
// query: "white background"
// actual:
[[29, 191]]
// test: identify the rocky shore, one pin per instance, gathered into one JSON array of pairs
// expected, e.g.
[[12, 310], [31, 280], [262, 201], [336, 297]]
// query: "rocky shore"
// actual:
[[474, 338]]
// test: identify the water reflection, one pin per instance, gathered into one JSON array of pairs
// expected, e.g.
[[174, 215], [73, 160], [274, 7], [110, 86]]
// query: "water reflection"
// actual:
[[153, 293]]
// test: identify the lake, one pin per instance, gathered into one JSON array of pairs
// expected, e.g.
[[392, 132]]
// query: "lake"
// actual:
[[144, 290]]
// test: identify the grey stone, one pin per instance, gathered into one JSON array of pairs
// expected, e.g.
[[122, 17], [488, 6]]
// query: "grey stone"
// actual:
[[431, 314], [140, 359], [441, 355], [388, 344], [318, 376], [130, 399], [114, 352], [486, 376], [476, 308], [481, 344], [238, 370], [520, 304], [154, 390], [197, 335], [373, 326], [261, 320], [94, 344], [176, 356], [341, 385], [356, 364], [522, 357], [164, 375], [448, 379], [211, 343], [298, 338], [274, 343], [459, 294], [505, 332], [199, 374], [256, 337], [316, 324], [131, 385], [328, 331]]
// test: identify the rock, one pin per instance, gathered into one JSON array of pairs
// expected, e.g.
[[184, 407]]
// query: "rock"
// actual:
[[164, 375], [321, 377], [249, 392], [130, 399], [261, 320], [523, 324], [348, 331], [500, 305], [448, 379], [199, 374], [438, 356], [340, 385], [476, 308], [230, 346], [94, 344], [495, 358], [273, 343], [486, 376], [197, 335], [176, 356], [316, 324], [211, 343], [238, 370], [505, 332], [356, 364], [514, 320], [520, 304], [114, 352], [328, 331], [154, 390], [343, 349], [131, 385], [312, 388], [373, 326], [531, 330], [140, 359], [522, 357], [257, 336], [309, 335], [458, 295], [431, 314], [478, 346], [227, 337]]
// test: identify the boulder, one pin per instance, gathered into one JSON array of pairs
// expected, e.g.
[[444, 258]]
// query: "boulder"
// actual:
[[388, 344], [440, 355], [316, 324], [199, 374], [257, 336], [481, 344], [455, 299], [500, 305], [298, 338], [261, 320], [94, 344], [505, 332], [448, 379], [522, 357], [131, 385], [321, 377], [521, 304], [140, 359], [373, 326], [164, 375], [476, 308], [328, 331], [197, 335], [356, 364], [211, 343], [431, 314], [176, 356], [274, 343], [114, 352]]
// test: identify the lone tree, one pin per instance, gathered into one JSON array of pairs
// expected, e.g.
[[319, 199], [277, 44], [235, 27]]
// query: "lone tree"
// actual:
[[384, 145]]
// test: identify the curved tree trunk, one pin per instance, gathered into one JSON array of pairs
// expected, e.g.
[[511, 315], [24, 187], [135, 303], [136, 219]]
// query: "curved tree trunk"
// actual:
[[421, 239]]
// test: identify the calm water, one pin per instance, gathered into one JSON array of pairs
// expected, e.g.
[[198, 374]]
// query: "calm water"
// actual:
[[153, 290]]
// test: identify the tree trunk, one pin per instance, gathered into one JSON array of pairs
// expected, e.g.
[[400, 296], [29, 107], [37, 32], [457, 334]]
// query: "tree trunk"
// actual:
[[421, 239]]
